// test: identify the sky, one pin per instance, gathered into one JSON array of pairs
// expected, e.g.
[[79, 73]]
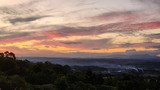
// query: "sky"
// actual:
[[80, 28]]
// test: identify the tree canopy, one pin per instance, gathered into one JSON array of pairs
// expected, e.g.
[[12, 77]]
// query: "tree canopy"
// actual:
[[26, 75]]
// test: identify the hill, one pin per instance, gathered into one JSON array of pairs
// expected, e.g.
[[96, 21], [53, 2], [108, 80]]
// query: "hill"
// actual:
[[25, 75]]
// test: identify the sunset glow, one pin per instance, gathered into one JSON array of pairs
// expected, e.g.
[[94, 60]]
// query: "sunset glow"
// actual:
[[70, 28]]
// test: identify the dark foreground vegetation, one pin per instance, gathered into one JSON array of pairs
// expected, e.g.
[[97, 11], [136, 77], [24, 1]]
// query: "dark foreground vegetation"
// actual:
[[25, 75]]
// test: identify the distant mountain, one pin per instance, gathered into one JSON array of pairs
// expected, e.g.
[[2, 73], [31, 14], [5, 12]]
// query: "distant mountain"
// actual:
[[101, 62]]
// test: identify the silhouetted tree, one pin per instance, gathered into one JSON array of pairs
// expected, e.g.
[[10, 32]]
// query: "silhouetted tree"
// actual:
[[1, 55], [8, 54], [12, 55]]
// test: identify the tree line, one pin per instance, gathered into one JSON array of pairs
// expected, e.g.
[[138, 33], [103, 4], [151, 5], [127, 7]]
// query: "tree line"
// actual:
[[25, 75]]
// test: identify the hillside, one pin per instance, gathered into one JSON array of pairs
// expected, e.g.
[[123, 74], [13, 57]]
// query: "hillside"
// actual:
[[25, 75]]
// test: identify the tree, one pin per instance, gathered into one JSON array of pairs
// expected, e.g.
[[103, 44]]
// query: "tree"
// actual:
[[61, 84], [18, 83], [12, 55], [8, 54], [1, 55]]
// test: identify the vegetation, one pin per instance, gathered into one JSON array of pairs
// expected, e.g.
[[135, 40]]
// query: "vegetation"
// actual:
[[25, 75]]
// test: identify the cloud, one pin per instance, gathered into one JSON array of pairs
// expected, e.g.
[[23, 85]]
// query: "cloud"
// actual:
[[93, 18], [130, 51], [65, 31], [70, 43], [156, 46], [100, 29], [21, 37], [51, 32], [144, 44], [118, 15], [154, 36], [80, 44], [23, 34], [13, 38], [4, 32], [154, 2], [19, 8], [25, 20]]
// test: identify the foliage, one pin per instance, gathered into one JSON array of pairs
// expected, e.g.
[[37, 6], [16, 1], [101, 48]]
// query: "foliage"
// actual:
[[25, 75]]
